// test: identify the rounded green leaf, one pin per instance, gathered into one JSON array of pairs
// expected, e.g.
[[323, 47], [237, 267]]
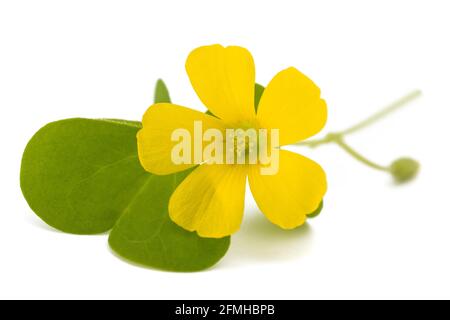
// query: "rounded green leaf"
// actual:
[[78, 175], [145, 234]]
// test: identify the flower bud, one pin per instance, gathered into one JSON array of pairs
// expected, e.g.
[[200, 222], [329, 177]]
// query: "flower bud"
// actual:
[[404, 169]]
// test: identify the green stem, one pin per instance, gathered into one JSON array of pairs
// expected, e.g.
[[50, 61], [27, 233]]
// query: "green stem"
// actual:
[[338, 137], [366, 122], [383, 112], [340, 142]]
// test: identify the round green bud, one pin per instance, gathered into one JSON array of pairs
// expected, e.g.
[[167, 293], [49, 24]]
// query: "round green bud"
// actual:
[[404, 169]]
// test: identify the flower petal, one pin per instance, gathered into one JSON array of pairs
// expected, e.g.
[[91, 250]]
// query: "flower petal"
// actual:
[[210, 200], [291, 103], [224, 80], [155, 138], [288, 196]]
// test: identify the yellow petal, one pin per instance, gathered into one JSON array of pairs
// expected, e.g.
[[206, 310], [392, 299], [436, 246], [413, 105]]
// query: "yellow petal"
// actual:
[[291, 103], [288, 196], [210, 200], [224, 80], [155, 143]]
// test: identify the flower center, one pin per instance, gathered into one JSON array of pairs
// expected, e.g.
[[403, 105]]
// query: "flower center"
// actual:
[[243, 144]]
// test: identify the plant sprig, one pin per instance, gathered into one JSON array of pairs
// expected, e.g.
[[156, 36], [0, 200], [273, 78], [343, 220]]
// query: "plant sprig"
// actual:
[[401, 169]]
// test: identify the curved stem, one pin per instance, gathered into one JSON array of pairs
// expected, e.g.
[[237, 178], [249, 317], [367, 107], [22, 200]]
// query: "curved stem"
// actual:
[[383, 112], [338, 137], [340, 142], [368, 121], [316, 142]]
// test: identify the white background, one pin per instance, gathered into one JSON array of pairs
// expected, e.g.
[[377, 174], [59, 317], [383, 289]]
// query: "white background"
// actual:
[[374, 239]]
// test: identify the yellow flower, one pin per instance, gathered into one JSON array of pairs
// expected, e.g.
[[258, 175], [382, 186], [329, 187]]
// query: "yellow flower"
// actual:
[[210, 200]]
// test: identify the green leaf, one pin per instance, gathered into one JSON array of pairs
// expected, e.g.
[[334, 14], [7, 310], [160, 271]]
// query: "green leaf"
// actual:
[[259, 89], [316, 212], [81, 175], [78, 175], [161, 92], [146, 235]]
